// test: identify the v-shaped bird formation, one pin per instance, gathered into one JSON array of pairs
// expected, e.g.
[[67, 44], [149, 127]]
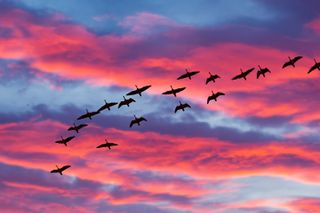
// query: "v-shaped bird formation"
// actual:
[[173, 91]]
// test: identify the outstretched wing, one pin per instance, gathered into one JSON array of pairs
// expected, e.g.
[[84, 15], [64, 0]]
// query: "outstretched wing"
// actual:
[[237, 77], [288, 63], [134, 92], [312, 68], [132, 122], [176, 109], [64, 168], [209, 79], [179, 89], [69, 138], [209, 99], [71, 128], [143, 119], [121, 104], [248, 71], [131, 100], [183, 76], [169, 92], [54, 171], [82, 116], [142, 89], [297, 58], [219, 94], [258, 74], [82, 125], [101, 145], [193, 73], [186, 105]]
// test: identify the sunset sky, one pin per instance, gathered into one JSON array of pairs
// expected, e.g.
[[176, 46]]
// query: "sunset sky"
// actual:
[[255, 150]]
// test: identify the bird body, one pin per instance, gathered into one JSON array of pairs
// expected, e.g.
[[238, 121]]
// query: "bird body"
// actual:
[[243, 74], [137, 121], [315, 66], [107, 106], [181, 107], [214, 96], [174, 91], [291, 62], [262, 71], [126, 102], [88, 115], [65, 140], [107, 144], [77, 127], [212, 78], [139, 90], [188, 74], [60, 170]]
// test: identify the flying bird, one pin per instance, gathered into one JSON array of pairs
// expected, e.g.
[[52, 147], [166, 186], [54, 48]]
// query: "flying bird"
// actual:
[[107, 106], [292, 62], [315, 66], [88, 115], [107, 144], [126, 102], [77, 127], [65, 140], [188, 74], [60, 170], [262, 72], [212, 78], [137, 121], [174, 91], [139, 90], [243, 74], [214, 96], [181, 107]]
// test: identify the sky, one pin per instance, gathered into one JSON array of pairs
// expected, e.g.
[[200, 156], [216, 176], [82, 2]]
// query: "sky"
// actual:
[[255, 150]]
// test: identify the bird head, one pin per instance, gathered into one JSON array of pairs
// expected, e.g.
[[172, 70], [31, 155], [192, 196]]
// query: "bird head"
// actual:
[[105, 101], [136, 86]]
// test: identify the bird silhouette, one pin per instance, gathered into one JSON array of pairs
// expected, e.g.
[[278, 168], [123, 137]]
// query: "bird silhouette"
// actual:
[[181, 107], [77, 127], [88, 115], [315, 66], [107, 106], [139, 90], [174, 91], [60, 170], [107, 144], [262, 71], [126, 102], [292, 62], [214, 96], [212, 78], [137, 121], [188, 74], [65, 140], [243, 74]]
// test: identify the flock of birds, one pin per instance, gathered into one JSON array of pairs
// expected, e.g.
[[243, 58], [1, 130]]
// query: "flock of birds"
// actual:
[[173, 91]]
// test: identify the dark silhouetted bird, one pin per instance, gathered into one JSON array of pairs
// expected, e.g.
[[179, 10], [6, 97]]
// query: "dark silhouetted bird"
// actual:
[[77, 127], [243, 74], [291, 62], [181, 107], [137, 121], [60, 170], [107, 106], [188, 74], [65, 140], [214, 96], [107, 144], [139, 90], [212, 78], [315, 66], [174, 91], [88, 115], [262, 71], [126, 102]]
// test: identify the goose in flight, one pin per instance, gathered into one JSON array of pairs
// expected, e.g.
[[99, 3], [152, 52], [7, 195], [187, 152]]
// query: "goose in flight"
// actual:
[[107, 106], [214, 96], [139, 90], [77, 127], [88, 115], [243, 74], [262, 71], [212, 78], [188, 74], [291, 62], [107, 144], [181, 107], [174, 91], [126, 102], [60, 170], [137, 121], [65, 140], [315, 66]]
